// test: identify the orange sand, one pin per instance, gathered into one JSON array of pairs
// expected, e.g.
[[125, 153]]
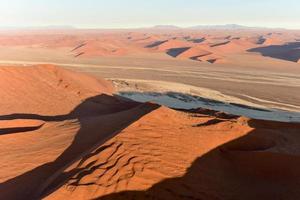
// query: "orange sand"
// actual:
[[86, 143]]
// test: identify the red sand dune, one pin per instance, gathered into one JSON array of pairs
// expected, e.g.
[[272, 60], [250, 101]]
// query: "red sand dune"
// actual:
[[173, 43], [194, 52], [45, 89], [93, 49], [96, 43], [273, 40], [232, 46], [86, 143]]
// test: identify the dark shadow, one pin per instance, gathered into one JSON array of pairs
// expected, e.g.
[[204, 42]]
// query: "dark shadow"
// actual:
[[177, 51], [249, 107], [36, 117], [236, 38], [251, 167], [79, 46], [99, 105], [155, 44], [288, 52], [261, 40], [210, 122], [6, 131], [220, 44], [197, 58], [197, 40], [100, 118], [212, 61], [213, 113], [79, 54]]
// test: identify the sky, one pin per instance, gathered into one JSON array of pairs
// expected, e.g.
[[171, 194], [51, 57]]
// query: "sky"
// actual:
[[145, 13]]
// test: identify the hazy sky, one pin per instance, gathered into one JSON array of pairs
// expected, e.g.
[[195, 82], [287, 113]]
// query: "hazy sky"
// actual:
[[141, 13]]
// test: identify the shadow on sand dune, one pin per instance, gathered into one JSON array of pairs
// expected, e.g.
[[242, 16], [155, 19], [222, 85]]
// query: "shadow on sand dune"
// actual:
[[289, 51], [256, 166], [100, 118], [155, 44], [250, 167], [174, 52]]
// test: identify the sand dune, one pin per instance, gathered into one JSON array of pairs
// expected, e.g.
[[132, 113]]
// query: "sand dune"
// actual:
[[74, 121], [172, 44], [48, 90], [233, 46], [67, 136], [194, 52], [233, 171], [93, 44], [100, 48], [273, 41]]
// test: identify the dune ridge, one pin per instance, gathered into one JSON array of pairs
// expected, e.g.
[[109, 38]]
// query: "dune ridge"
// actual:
[[94, 144]]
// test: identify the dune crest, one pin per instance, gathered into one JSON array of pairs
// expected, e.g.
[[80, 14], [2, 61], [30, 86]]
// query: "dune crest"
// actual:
[[71, 138]]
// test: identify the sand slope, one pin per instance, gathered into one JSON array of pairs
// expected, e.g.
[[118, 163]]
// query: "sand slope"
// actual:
[[46, 89], [94, 145], [190, 162]]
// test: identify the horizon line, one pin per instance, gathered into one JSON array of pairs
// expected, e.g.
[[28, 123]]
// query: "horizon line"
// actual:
[[159, 26]]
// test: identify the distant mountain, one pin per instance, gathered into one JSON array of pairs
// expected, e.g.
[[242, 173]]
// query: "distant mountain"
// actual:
[[214, 27], [58, 27], [226, 26], [166, 27], [36, 27]]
